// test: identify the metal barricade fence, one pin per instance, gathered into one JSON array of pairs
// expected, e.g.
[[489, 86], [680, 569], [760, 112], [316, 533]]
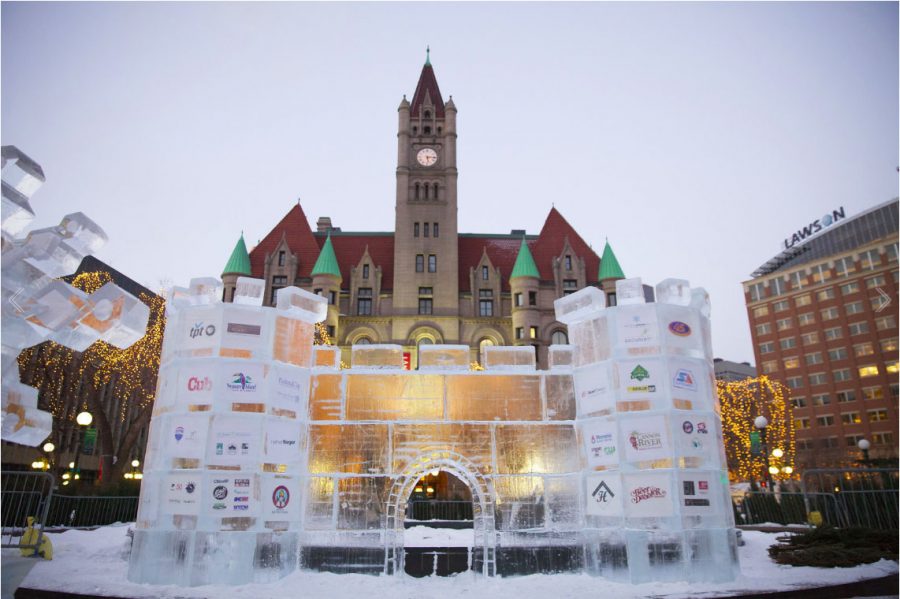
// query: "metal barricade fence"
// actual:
[[72, 511], [426, 509], [867, 497], [24, 495], [764, 507]]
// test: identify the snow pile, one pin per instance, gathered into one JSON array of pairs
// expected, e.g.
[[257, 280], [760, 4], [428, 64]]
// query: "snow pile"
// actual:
[[95, 562]]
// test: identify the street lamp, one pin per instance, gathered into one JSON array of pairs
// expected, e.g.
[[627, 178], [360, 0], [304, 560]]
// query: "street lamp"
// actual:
[[761, 422], [84, 420], [864, 445]]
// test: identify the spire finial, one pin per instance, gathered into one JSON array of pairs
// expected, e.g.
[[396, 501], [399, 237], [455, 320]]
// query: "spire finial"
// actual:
[[427, 55]]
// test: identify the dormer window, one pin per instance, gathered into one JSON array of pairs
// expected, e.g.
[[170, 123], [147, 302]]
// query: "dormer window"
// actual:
[[426, 130], [427, 114], [415, 129], [568, 262]]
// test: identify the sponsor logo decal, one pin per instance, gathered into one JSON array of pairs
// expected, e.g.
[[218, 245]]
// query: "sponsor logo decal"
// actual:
[[645, 441], [684, 379], [219, 448], [220, 492], [642, 389], [189, 488], [242, 482], [201, 329], [281, 497], [218, 506], [687, 427], [701, 428], [703, 485], [243, 329], [241, 508], [241, 382], [814, 227], [243, 499], [288, 383], [644, 493], [603, 449], [639, 373], [602, 494], [197, 384], [232, 449], [179, 433], [689, 502], [679, 329]]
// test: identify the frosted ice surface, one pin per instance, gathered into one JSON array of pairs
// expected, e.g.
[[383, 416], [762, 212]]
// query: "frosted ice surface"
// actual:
[[444, 357], [204, 291], [584, 304], [508, 358], [384, 356], [249, 291], [561, 357], [629, 291], [674, 291], [301, 304]]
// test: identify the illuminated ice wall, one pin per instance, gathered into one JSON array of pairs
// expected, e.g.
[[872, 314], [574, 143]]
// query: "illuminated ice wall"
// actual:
[[264, 456]]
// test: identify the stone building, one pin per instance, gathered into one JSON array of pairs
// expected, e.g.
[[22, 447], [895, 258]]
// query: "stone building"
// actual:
[[425, 282]]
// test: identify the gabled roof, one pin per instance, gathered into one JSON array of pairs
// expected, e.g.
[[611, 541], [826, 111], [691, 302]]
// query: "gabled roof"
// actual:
[[524, 266], [609, 265], [239, 262], [295, 229], [350, 248], [327, 262], [427, 85]]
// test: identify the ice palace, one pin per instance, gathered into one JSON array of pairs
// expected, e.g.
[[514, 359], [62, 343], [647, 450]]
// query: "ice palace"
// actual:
[[265, 456]]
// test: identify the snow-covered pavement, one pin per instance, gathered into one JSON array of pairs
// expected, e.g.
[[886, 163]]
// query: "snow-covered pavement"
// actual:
[[95, 562]]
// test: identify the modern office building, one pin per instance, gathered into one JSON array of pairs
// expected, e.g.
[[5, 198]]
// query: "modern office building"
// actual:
[[425, 282], [823, 317], [731, 372]]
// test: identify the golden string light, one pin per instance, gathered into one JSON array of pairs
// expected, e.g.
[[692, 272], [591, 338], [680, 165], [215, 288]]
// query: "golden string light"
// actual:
[[741, 402]]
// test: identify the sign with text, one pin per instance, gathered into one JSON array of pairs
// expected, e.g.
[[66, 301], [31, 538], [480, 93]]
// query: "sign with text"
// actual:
[[600, 443], [604, 494]]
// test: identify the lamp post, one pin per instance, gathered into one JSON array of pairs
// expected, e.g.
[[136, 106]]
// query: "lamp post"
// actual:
[[761, 423], [864, 445], [84, 420]]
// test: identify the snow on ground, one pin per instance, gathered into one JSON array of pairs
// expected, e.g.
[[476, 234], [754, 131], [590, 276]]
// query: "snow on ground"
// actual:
[[95, 562]]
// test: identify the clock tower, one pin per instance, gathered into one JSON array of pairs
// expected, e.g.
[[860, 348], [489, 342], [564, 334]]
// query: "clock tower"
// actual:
[[426, 261]]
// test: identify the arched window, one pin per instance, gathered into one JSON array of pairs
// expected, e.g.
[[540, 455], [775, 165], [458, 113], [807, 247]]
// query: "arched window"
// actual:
[[427, 114], [417, 191], [559, 337], [426, 190], [435, 191], [419, 343], [363, 341]]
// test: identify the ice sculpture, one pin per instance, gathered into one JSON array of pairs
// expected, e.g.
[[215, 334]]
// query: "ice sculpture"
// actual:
[[264, 456], [37, 306]]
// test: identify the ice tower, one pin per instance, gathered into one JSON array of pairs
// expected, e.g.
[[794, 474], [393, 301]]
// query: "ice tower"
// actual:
[[265, 456]]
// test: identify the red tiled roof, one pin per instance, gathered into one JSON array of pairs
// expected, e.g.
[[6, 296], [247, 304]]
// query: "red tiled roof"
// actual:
[[427, 82], [350, 247]]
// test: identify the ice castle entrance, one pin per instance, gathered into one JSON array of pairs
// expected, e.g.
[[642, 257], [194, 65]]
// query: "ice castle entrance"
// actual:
[[409, 504]]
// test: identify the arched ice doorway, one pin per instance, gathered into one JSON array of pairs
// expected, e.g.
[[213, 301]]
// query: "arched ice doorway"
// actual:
[[483, 554]]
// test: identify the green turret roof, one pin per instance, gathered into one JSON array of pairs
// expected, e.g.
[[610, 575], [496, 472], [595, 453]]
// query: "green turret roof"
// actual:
[[525, 266], [327, 263], [609, 266], [239, 263]]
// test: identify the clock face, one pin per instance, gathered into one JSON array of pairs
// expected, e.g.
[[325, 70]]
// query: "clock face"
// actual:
[[426, 157]]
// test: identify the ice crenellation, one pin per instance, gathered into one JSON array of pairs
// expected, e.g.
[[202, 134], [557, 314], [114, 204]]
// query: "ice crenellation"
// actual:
[[37, 306], [264, 456]]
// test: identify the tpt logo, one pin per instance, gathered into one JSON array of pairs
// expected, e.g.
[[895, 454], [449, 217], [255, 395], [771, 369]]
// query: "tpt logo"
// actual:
[[202, 330]]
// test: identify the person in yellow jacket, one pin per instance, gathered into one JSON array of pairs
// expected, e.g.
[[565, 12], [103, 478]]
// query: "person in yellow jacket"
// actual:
[[30, 537]]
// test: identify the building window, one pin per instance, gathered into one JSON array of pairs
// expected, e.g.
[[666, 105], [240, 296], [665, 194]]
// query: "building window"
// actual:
[[484, 273], [832, 334], [783, 324], [569, 286], [778, 286], [848, 288], [532, 298], [869, 260], [844, 266], [806, 318], [814, 358], [802, 300], [827, 420], [818, 378], [519, 332], [425, 305], [882, 438], [891, 251], [841, 375], [332, 297], [331, 330], [756, 291], [829, 314], [518, 300], [277, 283], [836, 354], [364, 301], [365, 271], [863, 349], [867, 371], [825, 294], [760, 311], [432, 263], [426, 184], [797, 280], [846, 396], [426, 229], [435, 191], [763, 329], [559, 337], [891, 367], [415, 229], [434, 228], [280, 258], [821, 400], [801, 423], [363, 341], [798, 402], [889, 345], [885, 322], [420, 263], [794, 382], [809, 338], [858, 328], [766, 348], [788, 343], [873, 282], [568, 262], [793, 362], [417, 191], [877, 415], [873, 393], [769, 366], [781, 306], [820, 273], [852, 440], [854, 308], [485, 302], [533, 332]]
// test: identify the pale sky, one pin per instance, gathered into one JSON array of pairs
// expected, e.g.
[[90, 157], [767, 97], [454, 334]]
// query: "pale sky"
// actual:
[[695, 136]]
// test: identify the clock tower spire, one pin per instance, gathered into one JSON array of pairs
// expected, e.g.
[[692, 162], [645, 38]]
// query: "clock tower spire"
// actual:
[[426, 264]]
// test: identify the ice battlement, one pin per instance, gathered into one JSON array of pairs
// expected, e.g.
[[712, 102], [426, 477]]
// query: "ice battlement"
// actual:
[[265, 456]]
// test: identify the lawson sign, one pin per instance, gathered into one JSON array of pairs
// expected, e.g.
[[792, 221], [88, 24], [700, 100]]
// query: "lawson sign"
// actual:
[[814, 227]]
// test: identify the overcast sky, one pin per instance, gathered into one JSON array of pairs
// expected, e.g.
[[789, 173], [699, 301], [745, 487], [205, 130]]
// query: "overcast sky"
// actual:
[[696, 137]]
